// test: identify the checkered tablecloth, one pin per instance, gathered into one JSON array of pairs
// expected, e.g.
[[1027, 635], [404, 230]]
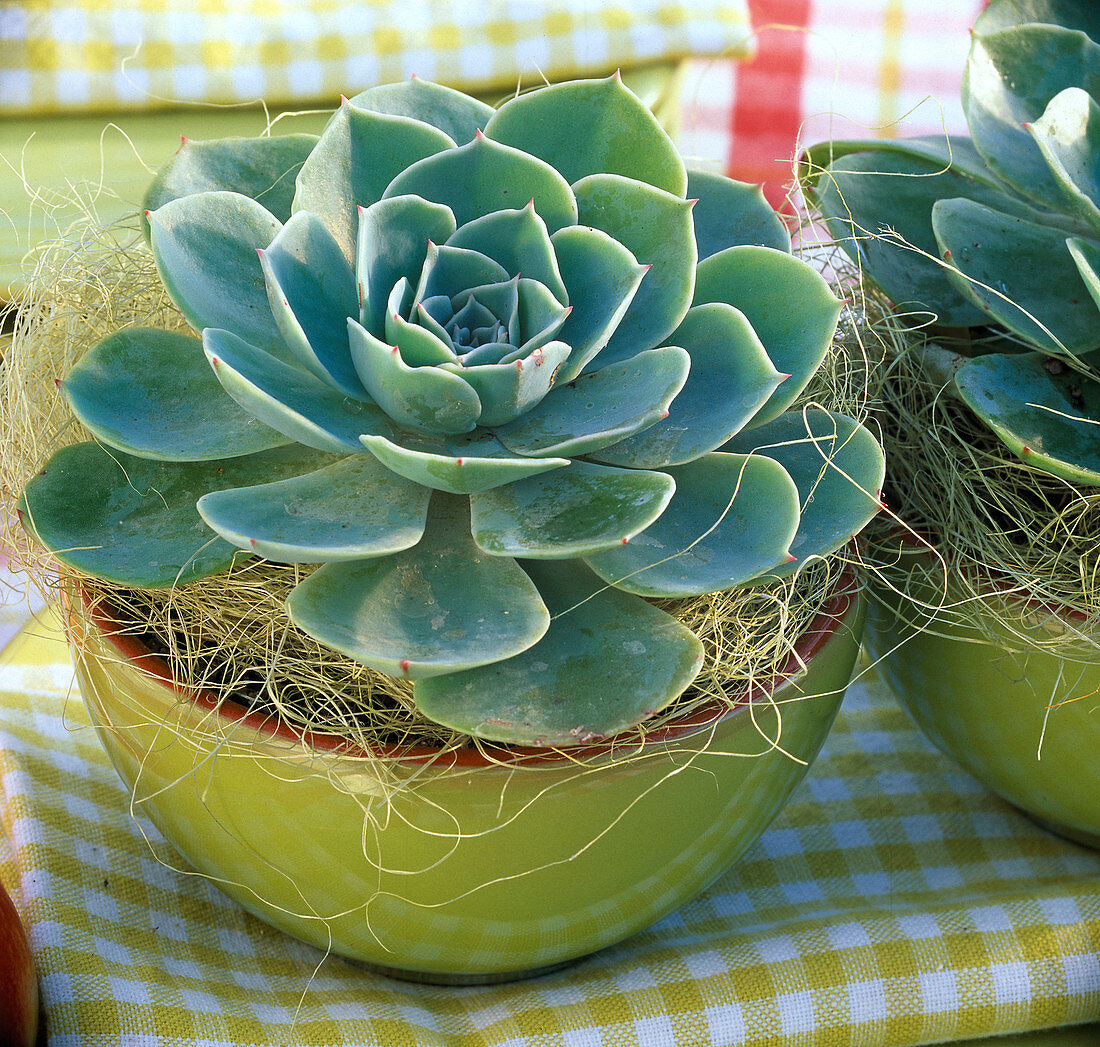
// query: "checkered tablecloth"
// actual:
[[102, 55], [894, 902], [829, 69]]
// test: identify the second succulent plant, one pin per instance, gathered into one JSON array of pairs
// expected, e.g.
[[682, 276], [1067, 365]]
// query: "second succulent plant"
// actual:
[[998, 232]]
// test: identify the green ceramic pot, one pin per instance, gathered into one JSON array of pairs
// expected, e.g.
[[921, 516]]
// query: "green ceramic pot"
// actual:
[[1022, 720], [459, 869]]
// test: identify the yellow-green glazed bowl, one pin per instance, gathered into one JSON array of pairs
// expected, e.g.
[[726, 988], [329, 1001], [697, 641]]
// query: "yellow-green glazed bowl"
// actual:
[[459, 869], [1024, 721]]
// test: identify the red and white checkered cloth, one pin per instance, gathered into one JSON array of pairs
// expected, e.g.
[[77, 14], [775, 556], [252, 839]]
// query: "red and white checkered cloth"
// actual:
[[828, 69]]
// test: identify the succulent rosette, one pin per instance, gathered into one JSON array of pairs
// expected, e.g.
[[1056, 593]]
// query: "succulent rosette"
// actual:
[[999, 231], [505, 374]]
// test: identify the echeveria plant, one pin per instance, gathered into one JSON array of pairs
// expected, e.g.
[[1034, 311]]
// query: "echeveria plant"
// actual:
[[1000, 230], [497, 371]]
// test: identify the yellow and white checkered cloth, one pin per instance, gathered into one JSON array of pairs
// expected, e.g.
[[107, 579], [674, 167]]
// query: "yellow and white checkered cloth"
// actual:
[[894, 902], [100, 55]]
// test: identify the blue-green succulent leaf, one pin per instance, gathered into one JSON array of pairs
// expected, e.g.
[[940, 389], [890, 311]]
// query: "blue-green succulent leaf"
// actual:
[[1068, 136], [448, 271], [729, 213], [601, 278], [1011, 74], [464, 464], [837, 466], [205, 250], [1069, 13], [356, 158], [732, 517], [502, 301], [730, 379], [517, 239], [133, 520], [571, 512], [353, 509], [1044, 411], [878, 203], [540, 317], [423, 317], [419, 345], [586, 127], [440, 607], [592, 411], [484, 176], [1019, 273], [1086, 256], [262, 168], [455, 114], [656, 227], [789, 304], [170, 407], [393, 243], [545, 696], [509, 389], [425, 399], [311, 291], [290, 400]]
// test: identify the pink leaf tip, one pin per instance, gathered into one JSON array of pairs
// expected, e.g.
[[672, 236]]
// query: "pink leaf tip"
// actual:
[[791, 559], [405, 666]]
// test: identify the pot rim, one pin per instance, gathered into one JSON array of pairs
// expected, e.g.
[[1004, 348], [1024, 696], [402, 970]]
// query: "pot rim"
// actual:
[[133, 649], [928, 544]]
